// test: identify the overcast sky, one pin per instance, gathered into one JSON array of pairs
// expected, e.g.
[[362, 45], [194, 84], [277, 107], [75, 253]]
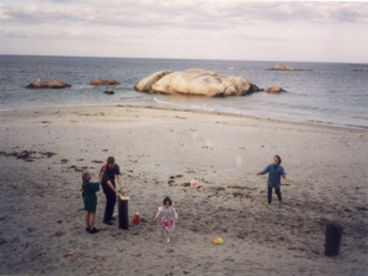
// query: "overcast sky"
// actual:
[[207, 29]]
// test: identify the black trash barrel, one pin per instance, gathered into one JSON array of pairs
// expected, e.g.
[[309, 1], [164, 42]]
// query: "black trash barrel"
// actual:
[[123, 212], [333, 239]]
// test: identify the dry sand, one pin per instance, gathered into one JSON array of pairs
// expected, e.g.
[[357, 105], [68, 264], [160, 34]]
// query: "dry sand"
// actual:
[[41, 215]]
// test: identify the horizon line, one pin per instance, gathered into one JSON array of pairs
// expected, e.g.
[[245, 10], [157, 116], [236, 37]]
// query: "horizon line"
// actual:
[[172, 58]]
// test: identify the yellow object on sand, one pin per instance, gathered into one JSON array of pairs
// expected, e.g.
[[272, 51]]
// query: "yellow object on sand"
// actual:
[[218, 241]]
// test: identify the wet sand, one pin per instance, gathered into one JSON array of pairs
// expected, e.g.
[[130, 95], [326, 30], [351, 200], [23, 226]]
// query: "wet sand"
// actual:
[[160, 150]]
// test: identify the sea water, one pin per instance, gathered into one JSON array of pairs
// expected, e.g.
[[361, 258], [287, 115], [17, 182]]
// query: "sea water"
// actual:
[[332, 93]]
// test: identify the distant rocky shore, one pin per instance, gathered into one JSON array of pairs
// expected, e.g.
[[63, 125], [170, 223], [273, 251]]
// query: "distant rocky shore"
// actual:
[[282, 67]]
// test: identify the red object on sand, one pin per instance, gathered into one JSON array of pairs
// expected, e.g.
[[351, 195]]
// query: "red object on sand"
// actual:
[[136, 218], [66, 255]]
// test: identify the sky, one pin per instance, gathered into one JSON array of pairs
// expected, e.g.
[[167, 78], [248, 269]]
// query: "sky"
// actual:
[[209, 29]]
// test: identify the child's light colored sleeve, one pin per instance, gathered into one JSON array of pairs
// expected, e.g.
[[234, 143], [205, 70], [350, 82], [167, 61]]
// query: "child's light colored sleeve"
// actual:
[[175, 213], [159, 212]]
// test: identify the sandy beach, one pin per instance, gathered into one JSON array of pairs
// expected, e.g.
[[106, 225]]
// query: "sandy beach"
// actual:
[[160, 150]]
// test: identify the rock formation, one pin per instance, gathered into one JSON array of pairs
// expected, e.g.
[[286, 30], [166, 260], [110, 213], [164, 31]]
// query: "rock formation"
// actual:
[[282, 67], [109, 91], [104, 82], [196, 82], [55, 84], [275, 90]]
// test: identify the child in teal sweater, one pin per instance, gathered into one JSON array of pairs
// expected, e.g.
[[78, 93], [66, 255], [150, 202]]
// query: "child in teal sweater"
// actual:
[[90, 201]]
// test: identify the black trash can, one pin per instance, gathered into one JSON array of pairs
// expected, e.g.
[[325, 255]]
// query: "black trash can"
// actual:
[[123, 212], [333, 239]]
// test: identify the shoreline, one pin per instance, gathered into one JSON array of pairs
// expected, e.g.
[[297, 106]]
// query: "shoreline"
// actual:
[[172, 107]]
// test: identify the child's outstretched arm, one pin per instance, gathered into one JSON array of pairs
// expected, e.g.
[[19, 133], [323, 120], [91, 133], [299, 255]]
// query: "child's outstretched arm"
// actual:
[[266, 170], [175, 214], [157, 215]]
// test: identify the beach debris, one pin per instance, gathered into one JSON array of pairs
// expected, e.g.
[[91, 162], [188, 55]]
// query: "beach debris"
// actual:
[[195, 82], [136, 218], [31, 229], [194, 183], [171, 183], [97, 161], [54, 84], [170, 250], [67, 254], [275, 90], [186, 184], [64, 161], [282, 67], [28, 156], [104, 82], [48, 154], [58, 234], [3, 241], [76, 168], [218, 241]]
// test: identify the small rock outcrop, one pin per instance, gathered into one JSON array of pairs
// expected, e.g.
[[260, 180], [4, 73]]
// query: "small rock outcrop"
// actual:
[[275, 90], [104, 82], [109, 92], [282, 67], [195, 82], [54, 84]]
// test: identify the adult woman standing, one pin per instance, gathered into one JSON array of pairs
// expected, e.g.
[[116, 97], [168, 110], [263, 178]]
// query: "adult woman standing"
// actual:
[[275, 171], [107, 180]]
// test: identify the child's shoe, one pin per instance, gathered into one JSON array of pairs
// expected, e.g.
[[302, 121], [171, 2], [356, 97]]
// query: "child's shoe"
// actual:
[[94, 230], [88, 229]]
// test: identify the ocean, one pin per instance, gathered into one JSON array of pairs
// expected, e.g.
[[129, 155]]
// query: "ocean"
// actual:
[[333, 93]]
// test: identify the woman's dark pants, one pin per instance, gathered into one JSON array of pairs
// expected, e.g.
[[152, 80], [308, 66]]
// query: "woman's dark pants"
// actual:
[[110, 202], [278, 192]]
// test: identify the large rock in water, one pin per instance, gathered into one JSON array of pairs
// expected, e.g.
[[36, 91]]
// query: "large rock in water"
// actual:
[[282, 67], [145, 84], [195, 82], [104, 82], [48, 84]]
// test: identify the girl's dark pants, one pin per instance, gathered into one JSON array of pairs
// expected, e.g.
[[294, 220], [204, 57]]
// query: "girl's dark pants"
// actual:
[[110, 202], [278, 192]]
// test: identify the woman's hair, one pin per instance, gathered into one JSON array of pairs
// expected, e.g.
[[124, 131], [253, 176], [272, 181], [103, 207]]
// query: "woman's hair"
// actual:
[[278, 158], [110, 160], [167, 199], [85, 175]]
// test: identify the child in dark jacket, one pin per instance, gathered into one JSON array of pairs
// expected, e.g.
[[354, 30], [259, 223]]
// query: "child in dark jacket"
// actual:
[[90, 201]]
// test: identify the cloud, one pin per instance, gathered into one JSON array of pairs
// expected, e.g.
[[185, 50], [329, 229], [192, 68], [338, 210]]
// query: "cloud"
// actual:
[[180, 14], [224, 23]]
